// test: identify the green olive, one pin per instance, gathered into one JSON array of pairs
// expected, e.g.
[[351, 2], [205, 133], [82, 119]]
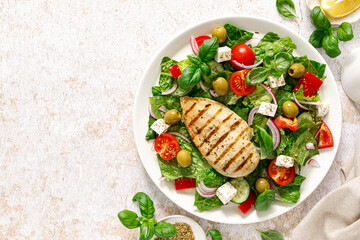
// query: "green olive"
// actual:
[[220, 33], [290, 109], [261, 185], [183, 158], [296, 70], [172, 116], [221, 86]]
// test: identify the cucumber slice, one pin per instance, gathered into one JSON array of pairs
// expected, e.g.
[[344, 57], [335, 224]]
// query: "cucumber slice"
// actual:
[[243, 190]]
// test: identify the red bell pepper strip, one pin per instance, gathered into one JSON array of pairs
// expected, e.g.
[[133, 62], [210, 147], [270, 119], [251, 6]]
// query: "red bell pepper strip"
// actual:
[[246, 206], [199, 40], [310, 84], [184, 183], [175, 71], [326, 139], [284, 123]]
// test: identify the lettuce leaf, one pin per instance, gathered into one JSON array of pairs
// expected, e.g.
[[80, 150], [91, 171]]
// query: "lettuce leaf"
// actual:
[[206, 204], [210, 178], [291, 192], [235, 36]]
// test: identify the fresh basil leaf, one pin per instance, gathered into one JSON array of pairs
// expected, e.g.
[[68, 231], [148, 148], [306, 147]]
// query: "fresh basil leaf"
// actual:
[[129, 219], [210, 178], [215, 234], [146, 231], [235, 36], [257, 75], [270, 37], [319, 20], [282, 61], [286, 8], [264, 200], [194, 59], [266, 143], [345, 32], [268, 63], [275, 72], [206, 204], [319, 67], [316, 38], [330, 44], [156, 91], [152, 221], [189, 77], [291, 192], [165, 230], [205, 69], [151, 134], [183, 64], [271, 235], [208, 49], [146, 205]]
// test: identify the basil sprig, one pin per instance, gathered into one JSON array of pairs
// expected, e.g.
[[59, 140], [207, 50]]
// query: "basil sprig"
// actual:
[[192, 74], [271, 235], [264, 200], [148, 225], [286, 8], [324, 35], [215, 234]]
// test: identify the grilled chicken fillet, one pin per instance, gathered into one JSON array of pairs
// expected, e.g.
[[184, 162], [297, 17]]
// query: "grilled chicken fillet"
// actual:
[[222, 137]]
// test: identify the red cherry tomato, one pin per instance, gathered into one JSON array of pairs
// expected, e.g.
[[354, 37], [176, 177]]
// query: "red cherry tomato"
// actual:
[[326, 139], [243, 54], [175, 71], [281, 175], [238, 83], [310, 83], [284, 123], [167, 146], [246, 206], [199, 40], [184, 183]]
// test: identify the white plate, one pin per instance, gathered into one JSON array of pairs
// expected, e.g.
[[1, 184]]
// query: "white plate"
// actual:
[[178, 48]]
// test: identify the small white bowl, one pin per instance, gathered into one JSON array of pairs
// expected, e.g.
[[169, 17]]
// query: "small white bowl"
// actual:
[[197, 230], [350, 77]]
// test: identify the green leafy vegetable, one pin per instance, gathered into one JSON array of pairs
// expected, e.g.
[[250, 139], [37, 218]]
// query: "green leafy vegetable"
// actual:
[[165, 230], [210, 178], [205, 204], [286, 141], [298, 150], [194, 59], [146, 231], [257, 75], [205, 69], [272, 46], [345, 32], [146, 205], [156, 91], [151, 134], [286, 8], [320, 68], [282, 61], [282, 96], [270, 37], [168, 101], [166, 80], [316, 38], [183, 64], [319, 20], [235, 36], [189, 77], [129, 219], [291, 192], [215, 234], [271, 235], [330, 44], [264, 200], [258, 96], [266, 143], [208, 49], [252, 177]]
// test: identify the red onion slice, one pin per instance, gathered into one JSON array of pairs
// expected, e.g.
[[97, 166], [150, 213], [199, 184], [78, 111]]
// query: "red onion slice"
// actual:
[[252, 114], [270, 91], [202, 86], [318, 131], [242, 66], [179, 135], [206, 189], [162, 108], [299, 104], [203, 194], [171, 90], [310, 146], [162, 178], [194, 45], [151, 112], [313, 162], [213, 93], [252, 41], [275, 133]]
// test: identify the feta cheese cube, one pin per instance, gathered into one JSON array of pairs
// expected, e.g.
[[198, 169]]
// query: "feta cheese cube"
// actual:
[[284, 161], [223, 54], [226, 192], [275, 82], [159, 126], [322, 110], [268, 109]]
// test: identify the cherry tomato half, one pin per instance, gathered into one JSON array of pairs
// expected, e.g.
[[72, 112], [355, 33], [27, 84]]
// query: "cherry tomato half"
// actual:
[[167, 146], [281, 175], [326, 139], [243, 54], [238, 83], [285, 123]]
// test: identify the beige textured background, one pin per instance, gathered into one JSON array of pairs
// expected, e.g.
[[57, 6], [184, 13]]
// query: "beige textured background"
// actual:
[[68, 72]]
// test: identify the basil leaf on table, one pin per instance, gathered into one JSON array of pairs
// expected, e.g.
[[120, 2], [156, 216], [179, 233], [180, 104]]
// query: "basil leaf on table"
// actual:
[[319, 19], [282, 61], [165, 230], [286, 8], [146, 231], [316, 38], [264, 200], [194, 59], [345, 32], [129, 219], [215, 234], [205, 69], [208, 49], [257, 75], [146, 205], [271, 235], [330, 44], [266, 143], [189, 77]]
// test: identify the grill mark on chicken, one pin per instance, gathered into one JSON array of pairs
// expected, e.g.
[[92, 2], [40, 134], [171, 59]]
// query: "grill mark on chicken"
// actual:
[[207, 106], [232, 128], [209, 121], [216, 129], [243, 163], [239, 152], [229, 148], [192, 106]]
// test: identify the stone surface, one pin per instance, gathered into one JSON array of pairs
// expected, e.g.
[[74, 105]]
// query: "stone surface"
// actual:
[[68, 76]]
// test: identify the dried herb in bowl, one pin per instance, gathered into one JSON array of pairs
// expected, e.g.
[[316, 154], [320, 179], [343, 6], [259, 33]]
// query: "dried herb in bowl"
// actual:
[[184, 232]]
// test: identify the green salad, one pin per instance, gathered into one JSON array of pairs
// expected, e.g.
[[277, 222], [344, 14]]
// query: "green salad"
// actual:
[[264, 83]]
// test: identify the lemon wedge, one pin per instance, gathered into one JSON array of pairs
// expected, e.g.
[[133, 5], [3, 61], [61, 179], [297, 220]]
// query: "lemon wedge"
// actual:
[[339, 8]]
